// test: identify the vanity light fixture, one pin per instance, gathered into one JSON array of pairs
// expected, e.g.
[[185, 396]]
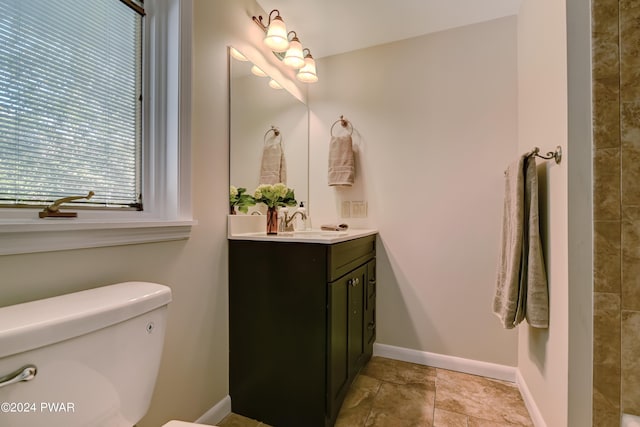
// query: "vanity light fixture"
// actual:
[[308, 74], [274, 84], [294, 57], [237, 55], [277, 39], [258, 72]]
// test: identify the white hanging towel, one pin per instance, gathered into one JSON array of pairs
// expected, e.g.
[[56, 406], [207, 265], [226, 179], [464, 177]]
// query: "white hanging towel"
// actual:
[[341, 161], [521, 285], [273, 168]]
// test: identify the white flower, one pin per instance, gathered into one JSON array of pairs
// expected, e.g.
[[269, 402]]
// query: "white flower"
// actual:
[[280, 189], [258, 193], [233, 191], [274, 195]]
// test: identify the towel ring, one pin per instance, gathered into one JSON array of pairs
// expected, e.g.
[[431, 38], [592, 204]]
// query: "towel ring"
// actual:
[[344, 123], [276, 133]]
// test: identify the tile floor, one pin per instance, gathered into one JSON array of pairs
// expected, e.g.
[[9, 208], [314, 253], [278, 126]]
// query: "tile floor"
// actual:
[[390, 393]]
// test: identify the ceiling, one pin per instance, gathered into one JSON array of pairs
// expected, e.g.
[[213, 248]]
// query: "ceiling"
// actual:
[[330, 27]]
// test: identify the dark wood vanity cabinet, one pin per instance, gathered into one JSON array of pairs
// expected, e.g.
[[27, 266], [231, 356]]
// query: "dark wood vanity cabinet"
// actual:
[[301, 326]]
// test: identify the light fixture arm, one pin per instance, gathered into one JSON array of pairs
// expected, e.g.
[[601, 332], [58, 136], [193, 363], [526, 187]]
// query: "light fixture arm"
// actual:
[[271, 13], [259, 22]]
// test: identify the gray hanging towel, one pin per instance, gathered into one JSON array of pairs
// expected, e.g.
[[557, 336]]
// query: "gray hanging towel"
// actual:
[[521, 286], [534, 275]]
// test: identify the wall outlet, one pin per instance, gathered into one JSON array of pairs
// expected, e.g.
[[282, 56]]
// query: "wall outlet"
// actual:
[[346, 210], [358, 209]]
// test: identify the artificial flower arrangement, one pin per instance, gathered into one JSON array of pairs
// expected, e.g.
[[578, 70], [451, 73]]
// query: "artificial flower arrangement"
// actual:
[[274, 195], [238, 198]]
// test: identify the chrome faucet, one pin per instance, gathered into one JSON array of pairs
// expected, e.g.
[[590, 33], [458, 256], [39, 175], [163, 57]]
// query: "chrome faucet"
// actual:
[[287, 221]]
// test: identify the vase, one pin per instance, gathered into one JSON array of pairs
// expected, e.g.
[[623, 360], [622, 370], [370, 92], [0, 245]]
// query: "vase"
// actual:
[[232, 210], [272, 221]]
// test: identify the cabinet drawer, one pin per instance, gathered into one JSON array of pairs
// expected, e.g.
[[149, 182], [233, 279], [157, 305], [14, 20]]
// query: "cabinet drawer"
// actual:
[[345, 256]]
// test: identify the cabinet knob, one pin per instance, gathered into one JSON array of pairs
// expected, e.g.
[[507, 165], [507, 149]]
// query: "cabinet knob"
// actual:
[[356, 281]]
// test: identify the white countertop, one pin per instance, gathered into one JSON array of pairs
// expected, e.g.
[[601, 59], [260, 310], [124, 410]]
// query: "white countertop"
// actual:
[[309, 236]]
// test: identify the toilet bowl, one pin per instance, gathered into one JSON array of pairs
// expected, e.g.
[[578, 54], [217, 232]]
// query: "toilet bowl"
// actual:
[[88, 358]]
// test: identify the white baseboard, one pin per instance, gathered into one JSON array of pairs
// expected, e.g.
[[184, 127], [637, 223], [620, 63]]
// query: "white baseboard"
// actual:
[[469, 366], [217, 412], [534, 412]]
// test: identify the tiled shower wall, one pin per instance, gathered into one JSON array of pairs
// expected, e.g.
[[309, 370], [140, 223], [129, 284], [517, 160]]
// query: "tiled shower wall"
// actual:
[[616, 211]]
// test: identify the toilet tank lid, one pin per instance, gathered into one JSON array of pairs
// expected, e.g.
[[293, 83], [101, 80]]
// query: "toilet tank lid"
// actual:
[[38, 323]]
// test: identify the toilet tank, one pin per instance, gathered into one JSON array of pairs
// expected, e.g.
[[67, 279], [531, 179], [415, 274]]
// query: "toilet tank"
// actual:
[[97, 354]]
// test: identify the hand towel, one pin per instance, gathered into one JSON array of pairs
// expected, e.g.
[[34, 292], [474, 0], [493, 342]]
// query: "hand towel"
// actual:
[[341, 161], [273, 168], [507, 302], [521, 285]]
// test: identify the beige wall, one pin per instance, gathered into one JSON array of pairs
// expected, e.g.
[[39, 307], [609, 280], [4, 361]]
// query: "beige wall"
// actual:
[[553, 110], [435, 125], [194, 371], [616, 193], [542, 121]]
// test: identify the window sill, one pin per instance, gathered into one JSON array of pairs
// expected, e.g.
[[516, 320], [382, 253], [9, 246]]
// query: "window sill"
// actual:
[[20, 236]]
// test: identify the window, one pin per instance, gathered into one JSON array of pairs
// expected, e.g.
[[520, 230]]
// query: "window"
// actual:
[[94, 98], [70, 102]]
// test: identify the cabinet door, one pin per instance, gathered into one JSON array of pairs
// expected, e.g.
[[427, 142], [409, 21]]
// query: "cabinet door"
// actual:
[[346, 335], [338, 360], [357, 287], [370, 310]]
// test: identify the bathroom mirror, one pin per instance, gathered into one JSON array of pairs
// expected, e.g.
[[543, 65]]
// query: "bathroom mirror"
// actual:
[[254, 108]]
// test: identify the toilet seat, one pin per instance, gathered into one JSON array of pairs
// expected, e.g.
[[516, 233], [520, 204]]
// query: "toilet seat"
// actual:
[[176, 423]]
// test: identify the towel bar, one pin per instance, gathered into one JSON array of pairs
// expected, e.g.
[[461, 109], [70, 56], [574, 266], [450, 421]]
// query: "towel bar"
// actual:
[[556, 155]]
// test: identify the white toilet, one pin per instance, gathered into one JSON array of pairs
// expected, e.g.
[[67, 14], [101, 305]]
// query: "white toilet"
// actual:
[[88, 358]]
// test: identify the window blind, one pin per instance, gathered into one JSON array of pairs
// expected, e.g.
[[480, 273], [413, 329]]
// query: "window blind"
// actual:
[[70, 102]]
